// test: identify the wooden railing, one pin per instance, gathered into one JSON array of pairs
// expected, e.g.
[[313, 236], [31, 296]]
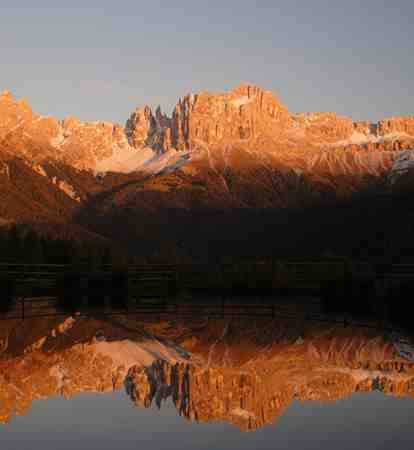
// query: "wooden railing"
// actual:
[[26, 309], [31, 279]]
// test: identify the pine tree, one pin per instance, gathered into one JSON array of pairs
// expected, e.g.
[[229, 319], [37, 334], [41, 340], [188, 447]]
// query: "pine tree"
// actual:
[[15, 245], [33, 248]]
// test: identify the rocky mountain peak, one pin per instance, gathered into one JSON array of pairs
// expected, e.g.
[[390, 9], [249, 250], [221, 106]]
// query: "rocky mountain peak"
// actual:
[[246, 88], [70, 122], [403, 125], [6, 97], [144, 129], [140, 126], [37, 138], [24, 105], [247, 117], [242, 114], [246, 93]]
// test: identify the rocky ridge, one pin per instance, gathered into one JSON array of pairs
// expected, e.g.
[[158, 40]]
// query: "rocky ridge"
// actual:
[[230, 152], [247, 116], [25, 133]]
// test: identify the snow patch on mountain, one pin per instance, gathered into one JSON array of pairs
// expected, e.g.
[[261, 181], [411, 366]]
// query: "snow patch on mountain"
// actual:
[[125, 160], [245, 100], [58, 140], [128, 160], [360, 138], [167, 162], [128, 353]]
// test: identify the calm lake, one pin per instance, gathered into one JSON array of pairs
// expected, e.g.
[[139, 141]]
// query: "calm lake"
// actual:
[[183, 383]]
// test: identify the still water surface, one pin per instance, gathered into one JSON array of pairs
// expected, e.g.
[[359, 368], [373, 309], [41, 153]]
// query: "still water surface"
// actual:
[[108, 422], [196, 383]]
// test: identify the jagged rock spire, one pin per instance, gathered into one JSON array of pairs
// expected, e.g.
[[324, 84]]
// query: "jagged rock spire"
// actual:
[[140, 126], [6, 96]]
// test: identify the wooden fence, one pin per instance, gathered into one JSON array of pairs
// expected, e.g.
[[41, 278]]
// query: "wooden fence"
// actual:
[[163, 281]]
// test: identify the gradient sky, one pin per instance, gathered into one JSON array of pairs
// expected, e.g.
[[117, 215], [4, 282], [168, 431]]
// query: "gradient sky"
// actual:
[[100, 59]]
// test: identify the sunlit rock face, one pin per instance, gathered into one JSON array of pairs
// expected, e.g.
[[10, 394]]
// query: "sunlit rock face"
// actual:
[[141, 126], [4, 171], [396, 125], [144, 129], [247, 116], [237, 149], [79, 144], [250, 115], [244, 114]]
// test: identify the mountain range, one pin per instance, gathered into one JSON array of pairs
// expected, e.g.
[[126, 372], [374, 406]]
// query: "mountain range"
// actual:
[[232, 174]]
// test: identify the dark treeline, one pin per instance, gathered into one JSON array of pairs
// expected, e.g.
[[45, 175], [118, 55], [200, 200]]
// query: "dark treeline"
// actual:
[[373, 228], [22, 245]]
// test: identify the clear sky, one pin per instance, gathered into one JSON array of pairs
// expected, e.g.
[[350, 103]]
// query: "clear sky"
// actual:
[[99, 59]]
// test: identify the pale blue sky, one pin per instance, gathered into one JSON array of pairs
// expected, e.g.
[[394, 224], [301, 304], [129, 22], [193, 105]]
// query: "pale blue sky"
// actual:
[[100, 59]]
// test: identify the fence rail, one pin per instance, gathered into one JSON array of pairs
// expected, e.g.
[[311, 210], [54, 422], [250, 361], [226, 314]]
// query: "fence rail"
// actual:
[[33, 308], [151, 280]]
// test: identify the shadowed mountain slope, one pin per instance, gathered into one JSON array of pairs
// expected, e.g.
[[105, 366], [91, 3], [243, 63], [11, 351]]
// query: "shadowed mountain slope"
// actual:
[[223, 168]]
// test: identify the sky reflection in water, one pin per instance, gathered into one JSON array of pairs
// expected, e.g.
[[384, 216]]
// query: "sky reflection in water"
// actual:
[[215, 380], [109, 421]]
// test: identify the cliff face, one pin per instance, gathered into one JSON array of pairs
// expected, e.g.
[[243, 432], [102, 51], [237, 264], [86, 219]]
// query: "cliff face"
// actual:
[[144, 129], [403, 125], [244, 114], [247, 117], [71, 141]]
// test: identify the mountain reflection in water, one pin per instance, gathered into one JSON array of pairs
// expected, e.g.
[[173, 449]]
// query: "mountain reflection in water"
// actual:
[[242, 371]]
